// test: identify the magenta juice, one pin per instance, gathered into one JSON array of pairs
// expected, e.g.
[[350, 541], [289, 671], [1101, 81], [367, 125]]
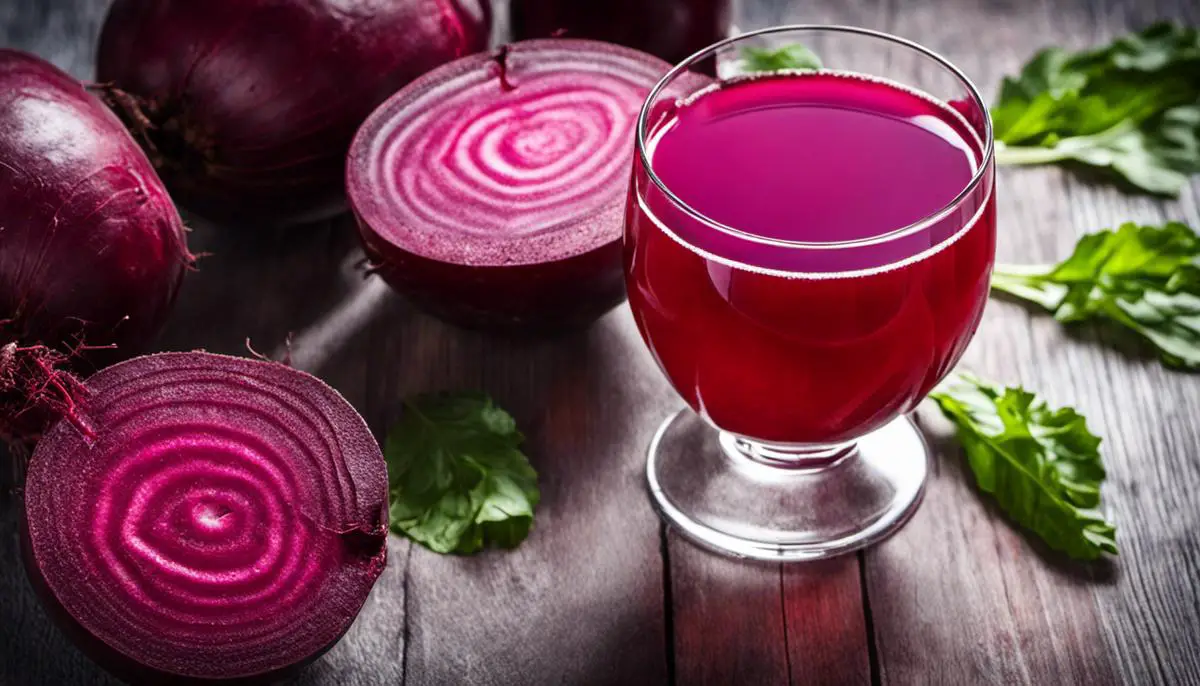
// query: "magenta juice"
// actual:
[[836, 259]]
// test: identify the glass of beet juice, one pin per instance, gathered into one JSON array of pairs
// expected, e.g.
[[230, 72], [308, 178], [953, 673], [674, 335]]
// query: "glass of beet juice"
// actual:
[[807, 254]]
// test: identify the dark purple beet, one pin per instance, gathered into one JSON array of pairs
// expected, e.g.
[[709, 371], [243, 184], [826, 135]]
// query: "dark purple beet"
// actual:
[[202, 518], [671, 29], [491, 190], [247, 107], [91, 249]]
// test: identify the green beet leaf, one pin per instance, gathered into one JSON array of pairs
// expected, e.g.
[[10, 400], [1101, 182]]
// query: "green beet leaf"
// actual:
[[1131, 108], [459, 481], [1143, 278], [794, 57], [1043, 466]]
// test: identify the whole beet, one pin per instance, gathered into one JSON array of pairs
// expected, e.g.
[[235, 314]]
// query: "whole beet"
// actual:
[[670, 29], [247, 107], [91, 249]]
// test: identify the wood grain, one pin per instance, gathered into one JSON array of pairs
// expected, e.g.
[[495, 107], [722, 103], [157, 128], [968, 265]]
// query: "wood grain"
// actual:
[[729, 619], [960, 593], [600, 594], [581, 601], [827, 637], [744, 623]]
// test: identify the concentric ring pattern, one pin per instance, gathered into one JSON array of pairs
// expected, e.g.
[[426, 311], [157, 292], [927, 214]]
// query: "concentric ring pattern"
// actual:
[[205, 532], [472, 166]]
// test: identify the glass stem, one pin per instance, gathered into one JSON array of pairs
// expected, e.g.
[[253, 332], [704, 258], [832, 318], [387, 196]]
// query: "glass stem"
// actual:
[[788, 457]]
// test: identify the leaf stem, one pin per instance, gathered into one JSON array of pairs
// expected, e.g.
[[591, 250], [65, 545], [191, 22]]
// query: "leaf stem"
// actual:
[[1028, 282], [1015, 277], [1071, 148], [1022, 155], [1024, 272]]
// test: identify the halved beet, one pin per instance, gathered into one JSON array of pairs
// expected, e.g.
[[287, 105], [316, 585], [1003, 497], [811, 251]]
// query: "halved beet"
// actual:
[[491, 190], [206, 518]]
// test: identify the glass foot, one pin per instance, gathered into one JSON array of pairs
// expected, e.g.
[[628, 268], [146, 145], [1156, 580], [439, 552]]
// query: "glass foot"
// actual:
[[785, 503]]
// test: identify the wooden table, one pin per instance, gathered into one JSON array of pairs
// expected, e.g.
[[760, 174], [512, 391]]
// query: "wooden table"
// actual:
[[601, 593]]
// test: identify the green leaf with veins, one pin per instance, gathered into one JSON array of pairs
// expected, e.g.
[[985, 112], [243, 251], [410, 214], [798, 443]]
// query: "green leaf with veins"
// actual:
[[1043, 466], [1143, 278], [459, 481], [1132, 108], [789, 57]]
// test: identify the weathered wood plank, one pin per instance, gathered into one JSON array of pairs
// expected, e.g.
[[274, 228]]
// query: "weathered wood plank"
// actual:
[[335, 344], [962, 597], [959, 570], [765, 623], [581, 601], [958, 597], [1151, 614], [751, 623], [826, 623], [729, 619]]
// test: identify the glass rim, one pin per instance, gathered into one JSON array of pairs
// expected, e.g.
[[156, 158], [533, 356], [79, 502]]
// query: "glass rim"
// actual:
[[895, 234]]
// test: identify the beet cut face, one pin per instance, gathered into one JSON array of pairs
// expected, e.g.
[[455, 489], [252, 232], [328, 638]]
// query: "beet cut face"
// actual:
[[227, 522], [491, 191]]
